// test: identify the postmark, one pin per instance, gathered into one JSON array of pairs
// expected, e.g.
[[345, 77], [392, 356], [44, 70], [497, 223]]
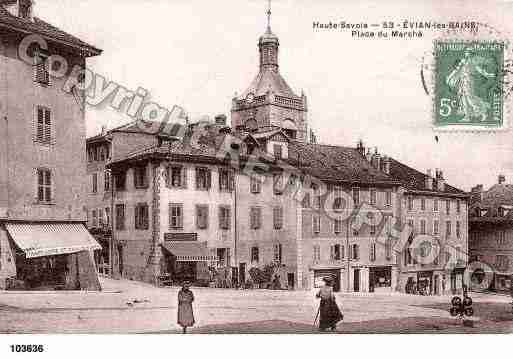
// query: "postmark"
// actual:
[[469, 86]]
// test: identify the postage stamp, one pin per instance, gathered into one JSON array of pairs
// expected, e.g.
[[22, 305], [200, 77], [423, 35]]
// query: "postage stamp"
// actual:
[[469, 86]]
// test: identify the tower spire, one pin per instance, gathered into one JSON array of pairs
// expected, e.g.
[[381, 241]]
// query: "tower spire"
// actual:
[[269, 15]]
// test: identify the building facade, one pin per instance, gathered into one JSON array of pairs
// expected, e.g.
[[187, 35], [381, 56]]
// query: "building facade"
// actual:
[[179, 207], [432, 207], [491, 231], [42, 173]]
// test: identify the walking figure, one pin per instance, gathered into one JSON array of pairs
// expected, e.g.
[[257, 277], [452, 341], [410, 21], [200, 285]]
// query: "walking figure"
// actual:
[[185, 313], [329, 311]]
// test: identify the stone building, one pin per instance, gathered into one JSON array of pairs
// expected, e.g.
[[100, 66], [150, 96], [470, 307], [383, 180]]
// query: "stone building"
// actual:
[[491, 231], [42, 159], [185, 208], [432, 207]]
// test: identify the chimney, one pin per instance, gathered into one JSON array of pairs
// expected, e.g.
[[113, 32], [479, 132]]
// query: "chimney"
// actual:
[[440, 182], [220, 120], [476, 194], [360, 148], [429, 180], [501, 179], [368, 155], [375, 159], [386, 165]]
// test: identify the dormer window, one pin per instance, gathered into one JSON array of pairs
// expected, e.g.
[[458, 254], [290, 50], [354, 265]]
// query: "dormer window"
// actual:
[[290, 133]]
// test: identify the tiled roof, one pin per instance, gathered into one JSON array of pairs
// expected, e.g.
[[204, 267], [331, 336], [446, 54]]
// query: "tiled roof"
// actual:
[[267, 79], [415, 180], [496, 196], [335, 163], [41, 27]]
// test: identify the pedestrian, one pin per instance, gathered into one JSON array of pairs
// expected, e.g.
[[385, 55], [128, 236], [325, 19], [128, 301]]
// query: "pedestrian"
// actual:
[[329, 311], [185, 313]]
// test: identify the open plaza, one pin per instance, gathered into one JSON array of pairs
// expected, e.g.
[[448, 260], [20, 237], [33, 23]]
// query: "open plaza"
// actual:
[[126, 307]]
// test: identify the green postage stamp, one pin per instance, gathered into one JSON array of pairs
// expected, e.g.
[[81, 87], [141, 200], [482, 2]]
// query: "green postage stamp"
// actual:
[[469, 86]]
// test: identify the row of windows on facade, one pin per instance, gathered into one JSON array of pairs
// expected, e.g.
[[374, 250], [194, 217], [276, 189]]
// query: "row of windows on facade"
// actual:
[[422, 227], [338, 225], [424, 251], [502, 261], [254, 253], [499, 236], [98, 153], [337, 252], [176, 177], [100, 217], [435, 205]]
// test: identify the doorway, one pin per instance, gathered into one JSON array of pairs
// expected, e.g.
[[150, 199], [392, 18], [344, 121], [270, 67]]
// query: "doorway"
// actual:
[[242, 274], [290, 280], [120, 259], [356, 282]]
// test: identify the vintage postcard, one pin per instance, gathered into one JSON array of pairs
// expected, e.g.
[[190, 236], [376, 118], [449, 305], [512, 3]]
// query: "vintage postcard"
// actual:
[[255, 167]]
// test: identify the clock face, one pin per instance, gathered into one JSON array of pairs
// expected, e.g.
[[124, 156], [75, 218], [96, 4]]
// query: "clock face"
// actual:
[[250, 97]]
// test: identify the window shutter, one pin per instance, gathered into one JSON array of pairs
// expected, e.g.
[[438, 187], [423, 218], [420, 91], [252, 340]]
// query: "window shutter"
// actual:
[[332, 252], [209, 178], [220, 175], [228, 218], [350, 254], [48, 125], [184, 177], [231, 180]]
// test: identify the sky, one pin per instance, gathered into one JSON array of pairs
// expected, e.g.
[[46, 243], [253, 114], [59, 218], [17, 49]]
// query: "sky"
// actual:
[[198, 54]]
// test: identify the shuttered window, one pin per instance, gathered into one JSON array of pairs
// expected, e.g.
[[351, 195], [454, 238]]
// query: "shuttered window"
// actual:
[[141, 216], [255, 214], [44, 185], [176, 177], [278, 217], [41, 69], [120, 217], [202, 216], [226, 180], [255, 184], [203, 178], [224, 217], [43, 125]]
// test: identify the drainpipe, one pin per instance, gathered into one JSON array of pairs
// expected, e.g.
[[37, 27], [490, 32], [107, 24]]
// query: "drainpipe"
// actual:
[[347, 255], [112, 216], [235, 232]]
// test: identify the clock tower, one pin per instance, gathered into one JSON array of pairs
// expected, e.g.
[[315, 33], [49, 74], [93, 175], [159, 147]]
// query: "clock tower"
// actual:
[[269, 102]]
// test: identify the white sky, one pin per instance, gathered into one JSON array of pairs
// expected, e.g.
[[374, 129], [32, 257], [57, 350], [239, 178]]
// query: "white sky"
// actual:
[[197, 54]]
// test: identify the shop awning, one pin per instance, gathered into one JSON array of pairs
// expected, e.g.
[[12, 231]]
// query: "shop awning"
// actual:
[[189, 251], [49, 239]]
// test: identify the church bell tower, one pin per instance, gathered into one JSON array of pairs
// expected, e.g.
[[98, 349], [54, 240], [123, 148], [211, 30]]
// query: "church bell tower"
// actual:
[[269, 102]]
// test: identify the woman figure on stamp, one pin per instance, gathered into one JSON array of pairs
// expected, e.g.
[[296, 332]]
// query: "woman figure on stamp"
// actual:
[[463, 79], [185, 313], [329, 312]]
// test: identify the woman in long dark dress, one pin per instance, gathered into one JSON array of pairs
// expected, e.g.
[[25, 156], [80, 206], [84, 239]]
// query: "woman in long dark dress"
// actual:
[[185, 313], [329, 311]]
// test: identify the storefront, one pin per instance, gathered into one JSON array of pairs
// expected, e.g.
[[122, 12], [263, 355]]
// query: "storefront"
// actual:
[[188, 261], [425, 282], [380, 279], [52, 255], [502, 282]]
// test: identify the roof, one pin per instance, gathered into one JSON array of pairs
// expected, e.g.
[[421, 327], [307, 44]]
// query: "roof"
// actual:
[[414, 180], [148, 128], [499, 195], [269, 79], [335, 164], [41, 27]]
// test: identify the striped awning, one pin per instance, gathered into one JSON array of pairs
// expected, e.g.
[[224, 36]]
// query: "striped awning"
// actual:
[[189, 251], [50, 239]]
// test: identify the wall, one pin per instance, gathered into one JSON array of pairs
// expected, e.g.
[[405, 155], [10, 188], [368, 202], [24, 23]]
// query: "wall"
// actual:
[[327, 237], [25, 155]]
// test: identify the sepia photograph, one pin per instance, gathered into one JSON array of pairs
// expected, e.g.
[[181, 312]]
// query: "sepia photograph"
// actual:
[[254, 167]]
